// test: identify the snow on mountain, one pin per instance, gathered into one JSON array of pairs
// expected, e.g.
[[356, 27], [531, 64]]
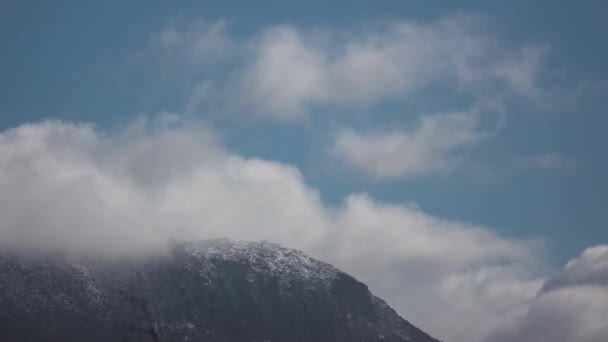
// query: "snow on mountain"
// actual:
[[211, 290]]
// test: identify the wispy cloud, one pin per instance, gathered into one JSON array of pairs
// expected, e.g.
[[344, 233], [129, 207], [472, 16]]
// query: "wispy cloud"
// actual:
[[432, 146], [194, 44], [286, 73], [282, 72]]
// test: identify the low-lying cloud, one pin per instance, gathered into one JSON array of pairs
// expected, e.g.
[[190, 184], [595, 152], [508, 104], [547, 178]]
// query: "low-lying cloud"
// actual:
[[74, 187], [572, 306]]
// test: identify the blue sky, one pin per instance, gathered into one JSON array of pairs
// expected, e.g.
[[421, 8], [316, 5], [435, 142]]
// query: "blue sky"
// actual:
[[72, 60], [487, 114]]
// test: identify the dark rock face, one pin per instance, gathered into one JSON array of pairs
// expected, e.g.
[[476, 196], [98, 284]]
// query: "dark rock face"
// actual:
[[216, 290]]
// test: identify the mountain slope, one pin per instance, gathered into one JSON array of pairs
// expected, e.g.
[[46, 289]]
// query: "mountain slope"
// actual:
[[214, 290]]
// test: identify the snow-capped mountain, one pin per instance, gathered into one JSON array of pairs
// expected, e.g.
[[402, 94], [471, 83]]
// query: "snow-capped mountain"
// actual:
[[213, 290]]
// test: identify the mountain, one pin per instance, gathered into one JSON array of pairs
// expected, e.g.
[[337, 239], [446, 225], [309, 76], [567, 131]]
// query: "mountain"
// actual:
[[212, 290]]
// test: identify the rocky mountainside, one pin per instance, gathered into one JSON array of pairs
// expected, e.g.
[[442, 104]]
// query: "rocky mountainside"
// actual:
[[215, 290]]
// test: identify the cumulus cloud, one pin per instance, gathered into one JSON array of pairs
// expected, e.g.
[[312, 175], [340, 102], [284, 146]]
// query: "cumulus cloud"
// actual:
[[591, 268], [74, 187], [283, 71], [431, 146], [568, 315], [286, 72], [572, 306]]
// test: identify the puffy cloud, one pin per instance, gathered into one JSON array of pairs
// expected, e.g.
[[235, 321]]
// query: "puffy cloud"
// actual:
[[282, 72], [572, 306], [590, 268], [431, 146], [285, 72], [577, 314], [73, 187]]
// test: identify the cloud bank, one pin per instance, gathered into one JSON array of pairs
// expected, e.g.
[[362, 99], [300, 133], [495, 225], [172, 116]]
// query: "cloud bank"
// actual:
[[73, 187], [572, 306]]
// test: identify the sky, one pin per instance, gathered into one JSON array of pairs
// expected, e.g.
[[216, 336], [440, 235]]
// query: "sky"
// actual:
[[451, 156]]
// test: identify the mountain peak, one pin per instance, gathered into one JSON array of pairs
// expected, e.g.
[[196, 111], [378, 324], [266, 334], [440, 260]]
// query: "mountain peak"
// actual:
[[259, 258], [211, 290]]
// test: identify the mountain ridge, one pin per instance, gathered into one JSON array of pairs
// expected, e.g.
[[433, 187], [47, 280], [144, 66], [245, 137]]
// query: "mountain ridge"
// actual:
[[209, 290]]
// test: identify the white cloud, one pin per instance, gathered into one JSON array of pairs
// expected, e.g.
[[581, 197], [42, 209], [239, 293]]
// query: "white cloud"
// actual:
[[71, 186], [283, 76], [572, 307], [431, 146], [591, 268], [577, 314], [283, 71]]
